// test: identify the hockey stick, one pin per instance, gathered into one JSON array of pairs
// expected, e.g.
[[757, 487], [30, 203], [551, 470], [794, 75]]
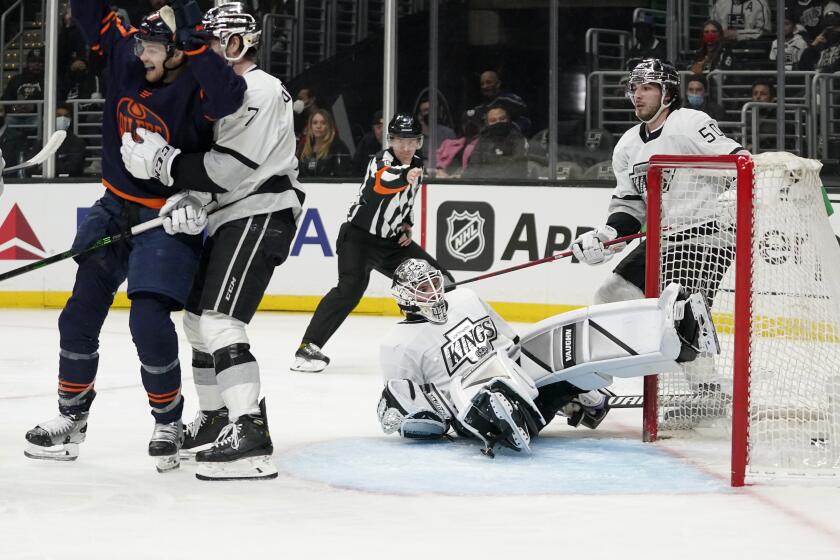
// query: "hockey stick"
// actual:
[[107, 240], [49, 149], [557, 256]]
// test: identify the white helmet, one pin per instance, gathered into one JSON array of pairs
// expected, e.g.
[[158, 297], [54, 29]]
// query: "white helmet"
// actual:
[[229, 19], [418, 288]]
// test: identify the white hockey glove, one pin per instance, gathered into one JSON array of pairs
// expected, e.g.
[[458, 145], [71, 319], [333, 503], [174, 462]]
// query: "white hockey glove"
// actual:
[[150, 158], [418, 412], [589, 247], [184, 212]]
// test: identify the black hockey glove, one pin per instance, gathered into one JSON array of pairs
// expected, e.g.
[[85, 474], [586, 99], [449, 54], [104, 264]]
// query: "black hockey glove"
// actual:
[[189, 40], [187, 13]]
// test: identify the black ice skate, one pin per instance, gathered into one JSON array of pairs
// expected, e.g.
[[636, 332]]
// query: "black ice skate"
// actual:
[[309, 358], [242, 451], [499, 419], [203, 431], [164, 445], [57, 439]]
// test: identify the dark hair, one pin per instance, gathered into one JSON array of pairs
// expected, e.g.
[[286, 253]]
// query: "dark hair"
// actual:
[[771, 87], [697, 78], [65, 106]]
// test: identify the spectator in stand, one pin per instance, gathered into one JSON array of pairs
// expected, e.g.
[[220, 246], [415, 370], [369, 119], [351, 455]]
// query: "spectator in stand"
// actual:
[[823, 54], [491, 92], [454, 155], [369, 146], [713, 53], [500, 152], [12, 141], [697, 96], [70, 156], [743, 19], [80, 83], [28, 85], [306, 103], [795, 43], [71, 44], [809, 13], [763, 91], [323, 153], [443, 132], [645, 45]]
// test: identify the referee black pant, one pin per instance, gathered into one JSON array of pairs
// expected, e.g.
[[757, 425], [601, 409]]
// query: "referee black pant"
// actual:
[[359, 252]]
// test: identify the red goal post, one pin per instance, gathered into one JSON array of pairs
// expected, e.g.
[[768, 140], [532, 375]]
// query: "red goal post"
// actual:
[[753, 235]]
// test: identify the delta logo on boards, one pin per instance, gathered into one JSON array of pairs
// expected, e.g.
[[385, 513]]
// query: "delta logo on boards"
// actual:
[[18, 241], [465, 235]]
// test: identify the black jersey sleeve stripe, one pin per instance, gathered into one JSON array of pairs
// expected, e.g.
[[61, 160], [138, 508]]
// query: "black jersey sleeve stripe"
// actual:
[[735, 151], [235, 154], [628, 197], [189, 172]]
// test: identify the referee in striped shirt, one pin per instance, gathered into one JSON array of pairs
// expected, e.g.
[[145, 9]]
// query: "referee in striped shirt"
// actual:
[[376, 236]]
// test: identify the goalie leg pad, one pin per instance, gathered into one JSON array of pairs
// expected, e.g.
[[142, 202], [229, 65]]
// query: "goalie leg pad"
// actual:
[[416, 411]]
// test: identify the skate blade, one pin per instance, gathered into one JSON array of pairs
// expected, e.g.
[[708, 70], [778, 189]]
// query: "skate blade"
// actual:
[[501, 411], [63, 452], [189, 454], [308, 366], [249, 468], [167, 463]]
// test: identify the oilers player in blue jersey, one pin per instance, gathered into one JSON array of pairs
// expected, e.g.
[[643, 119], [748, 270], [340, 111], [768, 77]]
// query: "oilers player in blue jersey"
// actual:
[[162, 77]]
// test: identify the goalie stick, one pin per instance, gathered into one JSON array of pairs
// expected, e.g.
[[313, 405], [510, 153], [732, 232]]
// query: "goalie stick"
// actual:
[[53, 143], [107, 240], [637, 401]]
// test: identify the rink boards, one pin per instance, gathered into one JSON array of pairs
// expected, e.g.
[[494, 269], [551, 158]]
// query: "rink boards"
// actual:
[[471, 229]]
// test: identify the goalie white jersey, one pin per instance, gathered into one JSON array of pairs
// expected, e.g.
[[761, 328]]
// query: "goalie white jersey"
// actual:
[[685, 132], [436, 352]]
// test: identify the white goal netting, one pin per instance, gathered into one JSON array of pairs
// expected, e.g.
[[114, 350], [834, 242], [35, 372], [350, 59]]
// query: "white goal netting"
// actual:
[[794, 343]]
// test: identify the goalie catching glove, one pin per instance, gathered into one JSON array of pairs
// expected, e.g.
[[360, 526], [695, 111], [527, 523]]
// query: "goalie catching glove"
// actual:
[[589, 247], [185, 212], [150, 157]]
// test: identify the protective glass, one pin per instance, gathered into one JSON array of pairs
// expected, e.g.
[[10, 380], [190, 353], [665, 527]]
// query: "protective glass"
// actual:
[[151, 48]]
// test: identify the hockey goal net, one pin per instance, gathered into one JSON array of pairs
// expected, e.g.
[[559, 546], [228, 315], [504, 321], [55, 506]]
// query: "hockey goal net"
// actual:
[[754, 236]]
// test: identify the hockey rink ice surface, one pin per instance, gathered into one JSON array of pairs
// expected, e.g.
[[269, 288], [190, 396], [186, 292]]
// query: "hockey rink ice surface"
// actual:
[[346, 490]]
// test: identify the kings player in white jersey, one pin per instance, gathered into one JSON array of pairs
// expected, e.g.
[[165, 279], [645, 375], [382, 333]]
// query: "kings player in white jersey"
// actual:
[[666, 128], [453, 362], [251, 172]]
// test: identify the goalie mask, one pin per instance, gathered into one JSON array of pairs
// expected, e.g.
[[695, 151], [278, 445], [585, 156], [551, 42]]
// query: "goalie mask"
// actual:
[[229, 19], [655, 71], [418, 288]]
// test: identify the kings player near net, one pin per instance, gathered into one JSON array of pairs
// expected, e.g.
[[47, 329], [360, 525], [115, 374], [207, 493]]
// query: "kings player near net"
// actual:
[[665, 128]]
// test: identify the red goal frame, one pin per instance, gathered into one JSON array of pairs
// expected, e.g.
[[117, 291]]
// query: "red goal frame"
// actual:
[[743, 167]]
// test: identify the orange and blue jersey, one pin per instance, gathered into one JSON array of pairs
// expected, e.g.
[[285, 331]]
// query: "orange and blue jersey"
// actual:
[[183, 111]]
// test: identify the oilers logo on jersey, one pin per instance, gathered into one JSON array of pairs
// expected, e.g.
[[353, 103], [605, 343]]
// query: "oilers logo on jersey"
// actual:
[[132, 115], [469, 342]]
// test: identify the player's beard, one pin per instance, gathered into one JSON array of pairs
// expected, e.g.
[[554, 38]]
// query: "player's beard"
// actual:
[[647, 114]]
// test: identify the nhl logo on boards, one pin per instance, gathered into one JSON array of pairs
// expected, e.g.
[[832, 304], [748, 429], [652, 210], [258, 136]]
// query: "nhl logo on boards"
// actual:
[[465, 235]]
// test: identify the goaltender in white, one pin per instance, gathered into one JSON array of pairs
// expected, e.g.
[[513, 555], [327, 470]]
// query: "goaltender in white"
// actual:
[[453, 362]]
